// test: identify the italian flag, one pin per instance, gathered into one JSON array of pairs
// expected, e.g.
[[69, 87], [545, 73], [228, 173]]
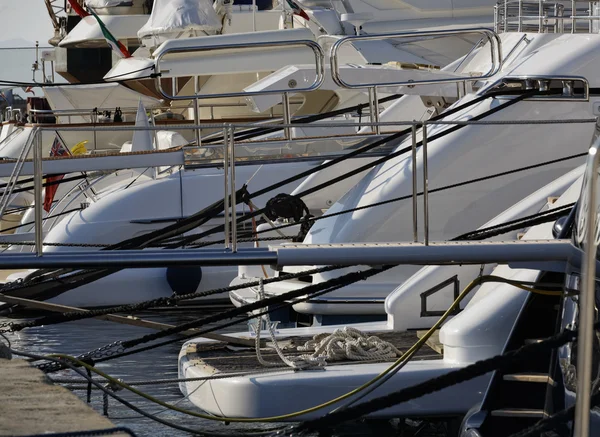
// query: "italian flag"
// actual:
[[113, 42], [298, 10]]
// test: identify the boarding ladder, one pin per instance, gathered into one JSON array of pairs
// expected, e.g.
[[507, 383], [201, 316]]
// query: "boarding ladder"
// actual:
[[528, 392]]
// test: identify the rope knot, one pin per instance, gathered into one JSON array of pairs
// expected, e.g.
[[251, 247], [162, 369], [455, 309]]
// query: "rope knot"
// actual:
[[288, 206], [285, 206], [244, 195]]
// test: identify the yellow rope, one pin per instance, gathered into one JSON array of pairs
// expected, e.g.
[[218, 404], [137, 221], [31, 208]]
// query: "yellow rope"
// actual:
[[405, 357]]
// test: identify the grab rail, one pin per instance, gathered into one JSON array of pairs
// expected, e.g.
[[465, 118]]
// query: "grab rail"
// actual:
[[316, 48], [586, 234], [232, 156], [559, 16], [12, 180], [489, 35], [318, 81]]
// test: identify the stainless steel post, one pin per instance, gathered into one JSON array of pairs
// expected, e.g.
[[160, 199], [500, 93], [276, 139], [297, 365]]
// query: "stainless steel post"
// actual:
[[414, 182], [196, 112], [286, 116], [233, 186], [154, 169], [226, 176], [37, 191], [520, 25], [425, 186], [94, 121], [376, 109], [371, 109], [587, 302]]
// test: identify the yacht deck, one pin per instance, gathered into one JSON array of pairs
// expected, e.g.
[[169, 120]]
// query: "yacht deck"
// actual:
[[224, 358]]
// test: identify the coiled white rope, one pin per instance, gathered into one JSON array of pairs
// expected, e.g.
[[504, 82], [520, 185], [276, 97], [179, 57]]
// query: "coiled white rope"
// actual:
[[349, 343], [346, 343]]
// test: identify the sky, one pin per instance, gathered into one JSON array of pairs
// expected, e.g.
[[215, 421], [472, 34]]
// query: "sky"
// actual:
[[25, 19], [23, 23]]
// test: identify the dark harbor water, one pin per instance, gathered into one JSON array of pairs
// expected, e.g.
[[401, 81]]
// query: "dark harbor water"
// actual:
[[75, 338]]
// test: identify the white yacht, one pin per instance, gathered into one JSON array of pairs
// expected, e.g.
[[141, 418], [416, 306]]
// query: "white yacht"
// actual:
[[473, 172], [105, 220]]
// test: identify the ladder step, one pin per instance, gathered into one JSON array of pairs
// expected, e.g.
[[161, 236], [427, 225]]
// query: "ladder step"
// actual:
[[519, 412], [529, 377]]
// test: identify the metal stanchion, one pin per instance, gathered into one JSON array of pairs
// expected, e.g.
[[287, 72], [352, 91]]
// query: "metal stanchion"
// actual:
[[37, 191], [287, 119], [196, 112], [587, 300], [414, 182], [425, 186], [226, 177], [233, 187]]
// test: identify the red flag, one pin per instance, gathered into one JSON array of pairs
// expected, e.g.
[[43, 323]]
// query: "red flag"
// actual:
[[57, 150], [78, 9]]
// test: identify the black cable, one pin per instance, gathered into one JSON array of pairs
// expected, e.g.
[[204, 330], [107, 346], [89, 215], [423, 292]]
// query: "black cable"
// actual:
[[65, 363], [88, 433], [527, 221], [276, 304], [360, 150], [68, 211], [554, 421], [72, 316], [48, 184], [26, 48], [46, 290], [255, 132], [246, 318], [408, 196], [344, 280], [51, 85], [41, 284], [498, 362]]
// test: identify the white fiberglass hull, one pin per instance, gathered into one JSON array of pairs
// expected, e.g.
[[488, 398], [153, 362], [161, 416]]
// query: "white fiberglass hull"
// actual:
[[149, 206], [266, 395], [479, 332]]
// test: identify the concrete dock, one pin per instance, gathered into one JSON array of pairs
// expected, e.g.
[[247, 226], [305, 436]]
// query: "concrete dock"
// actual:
[[30, 404]]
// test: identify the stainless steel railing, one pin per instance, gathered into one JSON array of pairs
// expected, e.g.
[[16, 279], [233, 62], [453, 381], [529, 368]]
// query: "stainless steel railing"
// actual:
[[14, 177], [587, 234], [231, 158], [68, 113], [486, 34], [541, 16], [318, 80]]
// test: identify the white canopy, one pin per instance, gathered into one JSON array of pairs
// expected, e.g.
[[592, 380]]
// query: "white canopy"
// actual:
[[102, 96], [87, 33], [174, 18], [96, 4]]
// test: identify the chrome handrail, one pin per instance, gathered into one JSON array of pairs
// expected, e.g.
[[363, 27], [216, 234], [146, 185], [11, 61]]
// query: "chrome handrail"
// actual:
[[491, 36], [11, 136], [230, 150], [12, 180], [586, 233], [542, 16], [316, 48], [535, 80]]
